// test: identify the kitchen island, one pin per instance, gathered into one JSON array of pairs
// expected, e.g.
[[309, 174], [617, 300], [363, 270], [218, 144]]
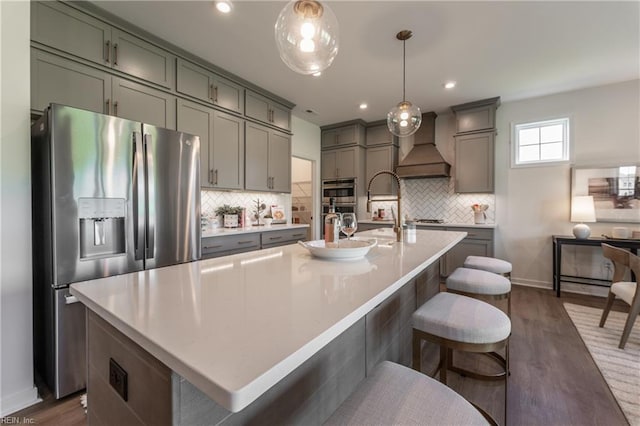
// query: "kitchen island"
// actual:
[[269, 336]]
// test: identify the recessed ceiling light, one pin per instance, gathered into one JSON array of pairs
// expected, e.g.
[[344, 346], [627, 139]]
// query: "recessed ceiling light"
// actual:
[[450, 85], [363, 106], [223, 6]]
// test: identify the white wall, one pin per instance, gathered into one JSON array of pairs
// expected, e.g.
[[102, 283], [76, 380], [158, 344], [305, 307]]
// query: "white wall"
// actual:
[[306, 144], [16, 350], [533, 203]]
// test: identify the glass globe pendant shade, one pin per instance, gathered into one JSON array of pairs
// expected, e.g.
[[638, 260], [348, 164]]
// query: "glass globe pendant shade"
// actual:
[[404, 119], [306, 34]]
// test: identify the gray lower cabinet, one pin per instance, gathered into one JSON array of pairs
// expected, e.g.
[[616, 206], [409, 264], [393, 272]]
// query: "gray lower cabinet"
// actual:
[[266, 110], [62, 27], [221, 144], [342, 163], [282, 238], [382, 158], [229, 244], [479, 242], [263, 143], [58, 80], [196, 81], [369, 226], [474, 164]]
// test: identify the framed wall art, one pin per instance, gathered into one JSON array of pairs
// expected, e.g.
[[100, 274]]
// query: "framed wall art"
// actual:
[[615, 191]]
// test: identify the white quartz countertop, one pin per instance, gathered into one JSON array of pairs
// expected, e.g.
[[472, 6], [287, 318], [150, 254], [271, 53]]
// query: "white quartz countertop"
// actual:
[[252, 229], [235, 326], [443, 225]]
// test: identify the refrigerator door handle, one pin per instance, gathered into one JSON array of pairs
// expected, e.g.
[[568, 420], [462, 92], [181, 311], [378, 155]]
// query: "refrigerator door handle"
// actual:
[[150, 195], [138, 195]]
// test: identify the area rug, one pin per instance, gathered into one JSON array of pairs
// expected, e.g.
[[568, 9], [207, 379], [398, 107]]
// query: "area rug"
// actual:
[[619, 367]]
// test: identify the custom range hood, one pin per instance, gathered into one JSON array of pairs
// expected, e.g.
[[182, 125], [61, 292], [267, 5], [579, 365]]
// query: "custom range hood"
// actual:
[[424, 160]]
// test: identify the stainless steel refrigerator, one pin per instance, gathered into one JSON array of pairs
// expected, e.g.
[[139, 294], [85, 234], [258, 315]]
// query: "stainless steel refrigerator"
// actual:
[[110, 196]]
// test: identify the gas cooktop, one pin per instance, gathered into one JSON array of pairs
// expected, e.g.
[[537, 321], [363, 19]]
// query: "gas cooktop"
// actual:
[[429, 220]]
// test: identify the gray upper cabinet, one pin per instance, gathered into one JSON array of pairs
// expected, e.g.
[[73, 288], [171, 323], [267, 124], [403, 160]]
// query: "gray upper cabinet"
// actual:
[[196, 81], [136, 57], [264, 109], [474, 162], [221, 144], [382, 158], [62, 27], [137, 102], [264, 143], [58, 80], [342, 163], [379, 134], [476, 116], [336, 137], [69, 30]]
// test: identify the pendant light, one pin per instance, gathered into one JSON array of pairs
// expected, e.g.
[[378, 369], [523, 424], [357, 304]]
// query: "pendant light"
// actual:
[[405, 118], [307, 36]]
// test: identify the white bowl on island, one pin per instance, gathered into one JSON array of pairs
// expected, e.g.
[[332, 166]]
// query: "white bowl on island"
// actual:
[[355, 248]]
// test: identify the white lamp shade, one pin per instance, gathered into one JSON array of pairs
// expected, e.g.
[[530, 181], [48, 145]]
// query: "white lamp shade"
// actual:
[[583, 209]]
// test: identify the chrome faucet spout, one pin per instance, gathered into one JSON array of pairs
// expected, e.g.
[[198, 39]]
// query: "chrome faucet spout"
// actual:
[[398, 220]]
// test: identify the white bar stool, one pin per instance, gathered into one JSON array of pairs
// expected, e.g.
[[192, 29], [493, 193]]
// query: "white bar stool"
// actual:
[[480, 284], [490, 264], [397, 395], [456, 322]]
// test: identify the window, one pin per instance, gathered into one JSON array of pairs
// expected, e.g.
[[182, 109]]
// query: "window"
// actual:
[[541, 142]]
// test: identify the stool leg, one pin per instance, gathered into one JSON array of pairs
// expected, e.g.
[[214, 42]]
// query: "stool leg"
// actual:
[[444, 363], [417, 352], [506, 382], [509, 305]]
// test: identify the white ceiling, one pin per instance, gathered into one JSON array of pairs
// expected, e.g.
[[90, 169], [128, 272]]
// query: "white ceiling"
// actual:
[[514, 50]]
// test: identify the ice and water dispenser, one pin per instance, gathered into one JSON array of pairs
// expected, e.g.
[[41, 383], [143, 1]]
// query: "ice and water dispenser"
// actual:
[[102, 228]]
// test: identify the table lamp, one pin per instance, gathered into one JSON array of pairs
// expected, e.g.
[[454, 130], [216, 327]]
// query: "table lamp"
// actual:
[[582, 210]]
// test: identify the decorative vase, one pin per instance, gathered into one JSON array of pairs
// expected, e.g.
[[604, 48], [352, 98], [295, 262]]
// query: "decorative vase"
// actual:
[[479, 217], [230, 220], [267, 221]]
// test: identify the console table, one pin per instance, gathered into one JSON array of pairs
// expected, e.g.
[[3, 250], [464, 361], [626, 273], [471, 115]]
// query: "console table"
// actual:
[[560, 240]]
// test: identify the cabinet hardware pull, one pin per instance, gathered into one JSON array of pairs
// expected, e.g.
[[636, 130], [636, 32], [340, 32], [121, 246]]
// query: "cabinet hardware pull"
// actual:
[[275, 238], [298, 235], [210, 95], [108, 51], [212, 247], [245, 242], [215, 177], [115, 108], [108, 106], [115, 54], [215, 94], [210, 175]]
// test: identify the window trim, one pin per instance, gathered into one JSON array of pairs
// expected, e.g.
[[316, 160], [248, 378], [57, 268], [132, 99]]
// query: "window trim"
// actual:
[[567, 144]]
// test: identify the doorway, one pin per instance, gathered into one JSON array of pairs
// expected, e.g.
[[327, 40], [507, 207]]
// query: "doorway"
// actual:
[[302, 199]]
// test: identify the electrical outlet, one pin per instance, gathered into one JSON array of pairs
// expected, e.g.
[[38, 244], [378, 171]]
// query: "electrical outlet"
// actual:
[[118, 379]]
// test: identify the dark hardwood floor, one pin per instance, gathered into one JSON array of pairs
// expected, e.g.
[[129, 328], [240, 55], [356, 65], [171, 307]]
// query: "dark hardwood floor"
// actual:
[[553, 381]]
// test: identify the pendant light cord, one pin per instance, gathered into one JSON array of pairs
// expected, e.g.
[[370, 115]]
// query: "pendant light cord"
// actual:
[[404, 72]]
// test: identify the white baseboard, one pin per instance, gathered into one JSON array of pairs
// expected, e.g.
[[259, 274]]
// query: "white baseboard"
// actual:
[[15, 402], [590, 290], [531, 283]]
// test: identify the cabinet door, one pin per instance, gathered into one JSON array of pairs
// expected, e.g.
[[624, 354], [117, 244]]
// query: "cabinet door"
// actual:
[[227, 94], [380, 135], [280, 162], [227, 151], [467, 247], [193, 80], [62, 27], [141, 59], [474, 162], [280, 117], [59, 80], [346, 163], [328, 138], [256, 155], [347, 135], [328, 164], [141, 103], [197, 119], [474, 119], [381, 158], [256, 106]]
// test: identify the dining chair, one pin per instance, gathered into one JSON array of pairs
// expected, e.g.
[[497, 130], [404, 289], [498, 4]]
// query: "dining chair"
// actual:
[[625, 290]]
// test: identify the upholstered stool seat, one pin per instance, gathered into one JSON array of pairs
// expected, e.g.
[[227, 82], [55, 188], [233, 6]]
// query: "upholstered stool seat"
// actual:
[[479, 283], [394, 394], [490, 264], [457, 322]]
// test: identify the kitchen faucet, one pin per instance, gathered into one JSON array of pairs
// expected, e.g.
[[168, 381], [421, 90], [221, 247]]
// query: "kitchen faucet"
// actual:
[[398, 219]]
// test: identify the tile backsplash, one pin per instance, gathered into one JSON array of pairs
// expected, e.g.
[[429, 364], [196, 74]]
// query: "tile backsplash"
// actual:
[[436, 199], [211, 200]]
